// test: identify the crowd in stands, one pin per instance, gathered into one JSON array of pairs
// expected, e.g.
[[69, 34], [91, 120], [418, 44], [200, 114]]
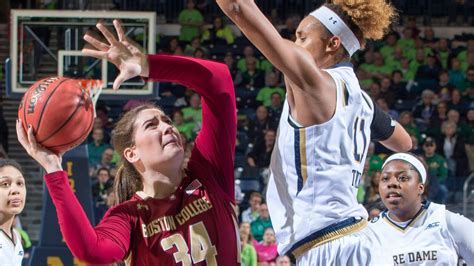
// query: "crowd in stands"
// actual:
[[424, 82]]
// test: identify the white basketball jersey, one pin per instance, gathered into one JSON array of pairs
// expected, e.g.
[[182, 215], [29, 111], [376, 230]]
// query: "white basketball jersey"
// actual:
[[10, 254], [315, 170], [424, 241]]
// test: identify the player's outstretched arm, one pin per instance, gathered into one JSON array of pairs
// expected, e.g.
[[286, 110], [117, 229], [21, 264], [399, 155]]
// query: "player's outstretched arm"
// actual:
[[212, 80], [109, 242], [294, 61]]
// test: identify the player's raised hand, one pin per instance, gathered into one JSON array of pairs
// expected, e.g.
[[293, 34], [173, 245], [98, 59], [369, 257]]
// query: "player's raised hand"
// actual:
[[128, 58], [50, 161]]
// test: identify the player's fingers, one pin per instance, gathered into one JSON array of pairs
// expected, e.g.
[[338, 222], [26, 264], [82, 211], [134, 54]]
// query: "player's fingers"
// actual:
[[21, 135], [96, 43], [120, 32], [32, 139], [94, 53], [119, 80], [107, 34]]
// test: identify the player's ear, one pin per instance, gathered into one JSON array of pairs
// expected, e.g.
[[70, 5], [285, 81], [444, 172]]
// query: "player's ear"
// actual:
[[333, 43], [421, 189], [130, 154]]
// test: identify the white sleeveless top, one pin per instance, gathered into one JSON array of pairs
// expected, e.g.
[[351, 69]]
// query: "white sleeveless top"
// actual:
[[315, 170], [426, 240], [11, 254]]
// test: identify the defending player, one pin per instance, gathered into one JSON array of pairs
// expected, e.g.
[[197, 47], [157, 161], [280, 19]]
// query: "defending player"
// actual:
[[167, 215], [12, 202], [416, 232], [325, 128]]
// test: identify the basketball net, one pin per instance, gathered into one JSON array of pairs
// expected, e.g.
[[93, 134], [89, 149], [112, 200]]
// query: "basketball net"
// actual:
[[94, 88]]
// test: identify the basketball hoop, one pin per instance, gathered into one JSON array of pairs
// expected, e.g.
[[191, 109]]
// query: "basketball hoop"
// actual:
[[94, 88]]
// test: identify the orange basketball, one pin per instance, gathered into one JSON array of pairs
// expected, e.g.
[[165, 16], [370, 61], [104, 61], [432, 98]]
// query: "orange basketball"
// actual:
[[60, 111]]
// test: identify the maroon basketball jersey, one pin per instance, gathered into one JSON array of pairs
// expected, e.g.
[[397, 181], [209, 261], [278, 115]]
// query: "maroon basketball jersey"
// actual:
[[195, 226]]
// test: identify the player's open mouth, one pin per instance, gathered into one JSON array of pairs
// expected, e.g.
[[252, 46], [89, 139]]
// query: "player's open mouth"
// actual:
[[394, 195]]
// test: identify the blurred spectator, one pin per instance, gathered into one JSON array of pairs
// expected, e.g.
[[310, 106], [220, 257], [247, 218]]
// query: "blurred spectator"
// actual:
[[199, 53], [457, 102], [429, 38], [232, 65], [97, 147], [415, 146], [399, 86], [283, 261], [388, 49], [380, 69], [263, 222], [382, 103], [251, 214], [264, 95], [443, 82], [423, 111], [427, 74], [252, 78], [375, 208], [3, 132], [191, 21], [194, 46], [99, 192], [172, 46], [276, 107], [105, 161], [261, 152], [218, 34], [248, 53], [387, 92], [406, 42], [440, 115], [375, 161], [437, 169], [464, 54], [259, 125], [456, 74], [374, 90], [406, 120], [193, 113], [463, 128], [248, 253], [289, 31], [452, 147], [372, 193], [185, 128], [267, 250], [443, 51]]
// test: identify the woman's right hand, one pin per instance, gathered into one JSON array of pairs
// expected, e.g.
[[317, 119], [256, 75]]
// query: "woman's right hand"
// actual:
[[123, 53], [50, 161]]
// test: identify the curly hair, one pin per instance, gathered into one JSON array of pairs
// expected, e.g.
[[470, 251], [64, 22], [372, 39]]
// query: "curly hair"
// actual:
[[368, 19]]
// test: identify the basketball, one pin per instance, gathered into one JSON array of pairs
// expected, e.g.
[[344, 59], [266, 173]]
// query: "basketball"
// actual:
[[60, 111]]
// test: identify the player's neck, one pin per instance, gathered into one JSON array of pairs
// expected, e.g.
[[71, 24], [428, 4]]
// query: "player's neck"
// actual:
[[161, 185], [6, 223], [403, 215]]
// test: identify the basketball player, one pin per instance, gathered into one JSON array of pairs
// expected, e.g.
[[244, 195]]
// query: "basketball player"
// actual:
[[12, 202], [417, 232], [325, 128], [166, 215]]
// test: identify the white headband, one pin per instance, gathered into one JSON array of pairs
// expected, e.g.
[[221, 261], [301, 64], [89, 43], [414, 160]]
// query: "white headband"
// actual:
[[337, 27], [411, 160]]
